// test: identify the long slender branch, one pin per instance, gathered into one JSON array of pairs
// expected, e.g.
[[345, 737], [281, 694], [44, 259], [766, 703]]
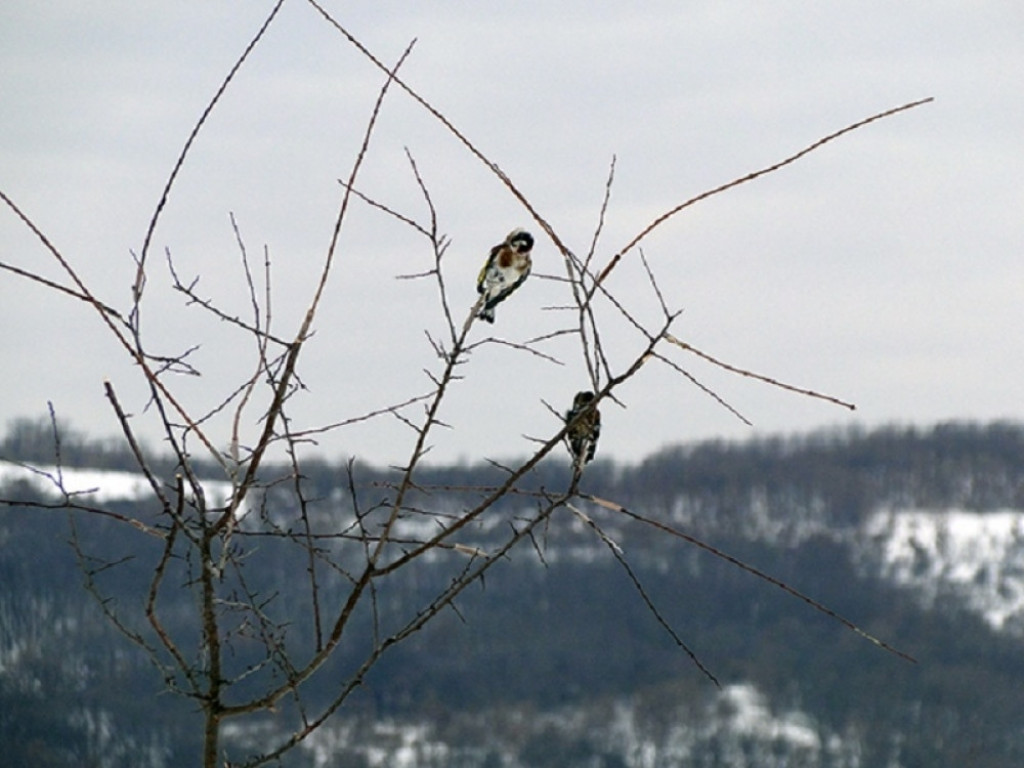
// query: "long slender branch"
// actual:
[[88, 299], [639, 587], [129, 436], [760, 377], [750, 177], [180, 162], [665, 528]]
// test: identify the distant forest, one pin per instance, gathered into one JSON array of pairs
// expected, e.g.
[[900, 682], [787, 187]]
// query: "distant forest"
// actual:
[[974, 465], [561, 624]]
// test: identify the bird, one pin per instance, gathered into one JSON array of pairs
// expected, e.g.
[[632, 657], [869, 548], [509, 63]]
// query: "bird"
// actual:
[[506, 269], [584, 422]]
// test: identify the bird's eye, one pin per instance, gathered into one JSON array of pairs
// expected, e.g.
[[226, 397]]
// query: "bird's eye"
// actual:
[[523, 241]]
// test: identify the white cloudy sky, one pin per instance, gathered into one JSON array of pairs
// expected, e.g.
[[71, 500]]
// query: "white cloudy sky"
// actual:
[[884, 268]]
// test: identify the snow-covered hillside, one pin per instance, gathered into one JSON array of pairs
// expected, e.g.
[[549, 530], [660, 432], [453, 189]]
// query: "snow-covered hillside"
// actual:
[[552, 663], [736, 723], [974, 558], [95, 486]]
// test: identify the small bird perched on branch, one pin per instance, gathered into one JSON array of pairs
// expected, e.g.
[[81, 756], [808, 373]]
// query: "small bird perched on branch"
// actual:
[[506, 269], [584, 422]]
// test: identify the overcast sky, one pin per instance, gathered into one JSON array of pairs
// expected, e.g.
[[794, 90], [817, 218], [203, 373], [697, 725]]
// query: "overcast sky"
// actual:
[[884, 268]]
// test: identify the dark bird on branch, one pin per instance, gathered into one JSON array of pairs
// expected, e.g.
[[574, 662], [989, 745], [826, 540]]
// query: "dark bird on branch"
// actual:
[[584, 422]]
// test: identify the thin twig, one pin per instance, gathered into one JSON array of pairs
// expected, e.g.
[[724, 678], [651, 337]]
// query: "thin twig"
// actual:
[[750, 374], [180, 162], [88, 299], [617, 552], [616, 507], [750, 177]]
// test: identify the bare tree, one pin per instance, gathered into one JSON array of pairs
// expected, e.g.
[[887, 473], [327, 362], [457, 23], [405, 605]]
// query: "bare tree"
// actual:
[[241, 653]]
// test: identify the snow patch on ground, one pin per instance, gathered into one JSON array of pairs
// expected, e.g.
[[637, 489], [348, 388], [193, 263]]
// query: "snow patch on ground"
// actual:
[[746, 713]]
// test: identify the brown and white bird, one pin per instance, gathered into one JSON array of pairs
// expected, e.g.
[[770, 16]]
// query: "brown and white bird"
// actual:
[[506, 269], [584, 422]]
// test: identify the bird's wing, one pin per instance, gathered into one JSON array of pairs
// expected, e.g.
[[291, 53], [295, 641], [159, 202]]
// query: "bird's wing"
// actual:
[[483, 272]]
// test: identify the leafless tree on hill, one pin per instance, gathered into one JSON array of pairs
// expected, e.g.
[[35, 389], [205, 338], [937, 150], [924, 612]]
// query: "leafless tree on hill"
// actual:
[[214, 546]]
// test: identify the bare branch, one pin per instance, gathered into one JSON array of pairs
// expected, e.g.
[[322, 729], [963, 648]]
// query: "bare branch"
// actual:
[[615, 507], [88, 299], [620, 557], [704, 388], [750, 374], [750, 177], [140, 275]]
